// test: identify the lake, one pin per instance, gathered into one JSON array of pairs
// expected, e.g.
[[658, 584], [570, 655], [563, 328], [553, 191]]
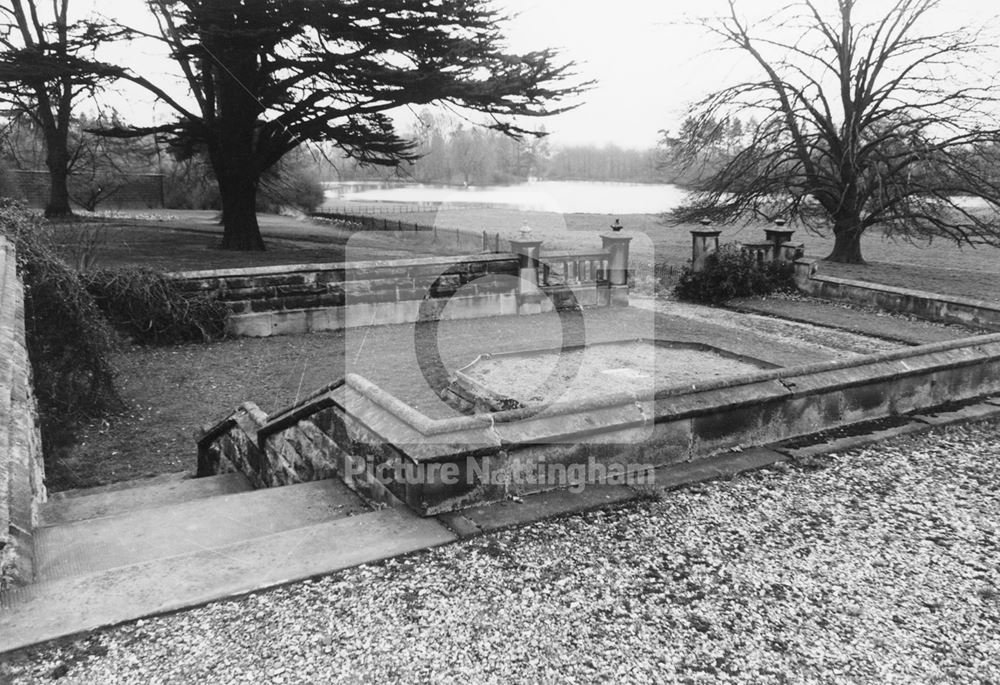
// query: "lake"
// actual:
[[564, 197]]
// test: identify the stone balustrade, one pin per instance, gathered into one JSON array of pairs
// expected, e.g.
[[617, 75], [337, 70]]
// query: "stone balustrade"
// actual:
[[301, 298], [776, 247]]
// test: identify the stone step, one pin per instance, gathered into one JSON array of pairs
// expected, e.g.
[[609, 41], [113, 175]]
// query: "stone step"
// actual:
[[45, 611], [143, 535], [158, 479], [121, 498]]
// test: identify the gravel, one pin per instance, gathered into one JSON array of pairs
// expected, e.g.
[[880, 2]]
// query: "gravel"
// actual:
[[877, 565]]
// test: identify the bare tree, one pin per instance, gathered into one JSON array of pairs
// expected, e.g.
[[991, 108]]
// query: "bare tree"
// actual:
[[883, 121], [46, 64]]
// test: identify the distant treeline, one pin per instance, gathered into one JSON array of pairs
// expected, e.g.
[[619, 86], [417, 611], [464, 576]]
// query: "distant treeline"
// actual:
[[454, 152]]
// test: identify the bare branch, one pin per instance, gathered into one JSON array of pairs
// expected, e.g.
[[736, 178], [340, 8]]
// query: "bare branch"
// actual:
[[865, 124]]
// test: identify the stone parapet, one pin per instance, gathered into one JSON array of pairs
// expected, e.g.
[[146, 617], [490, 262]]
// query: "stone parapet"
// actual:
[[921, 304]]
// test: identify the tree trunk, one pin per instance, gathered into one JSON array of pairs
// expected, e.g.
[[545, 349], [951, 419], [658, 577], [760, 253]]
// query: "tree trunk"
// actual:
[[847, 241], [239, 211], [57, 163]]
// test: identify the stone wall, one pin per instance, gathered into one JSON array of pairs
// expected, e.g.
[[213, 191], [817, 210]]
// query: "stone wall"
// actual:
[[312, 440], [357, 431], [313, 297], [22, 470], [924, 305], [138, 191]]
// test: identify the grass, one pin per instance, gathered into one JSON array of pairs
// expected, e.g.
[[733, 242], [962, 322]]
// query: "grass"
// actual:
[[958, 270], [976, 284], [189, 240], [170, 392]]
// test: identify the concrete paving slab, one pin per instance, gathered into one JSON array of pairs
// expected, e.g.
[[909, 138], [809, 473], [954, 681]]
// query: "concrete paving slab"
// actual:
[[46, 611], [972, 412], [546, 505], [158, 479], [459, 524], [103, 502], [849, 442], [144, 535], [477, 520], [719, 466]]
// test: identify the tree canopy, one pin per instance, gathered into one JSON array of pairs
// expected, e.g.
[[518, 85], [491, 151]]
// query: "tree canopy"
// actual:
[[885, 121], [267, 76], [46, 64]]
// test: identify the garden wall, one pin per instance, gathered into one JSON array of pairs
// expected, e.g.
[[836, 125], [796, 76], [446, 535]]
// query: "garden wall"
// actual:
[[137, 191], [301, 298], [924, 305], [22, 470]]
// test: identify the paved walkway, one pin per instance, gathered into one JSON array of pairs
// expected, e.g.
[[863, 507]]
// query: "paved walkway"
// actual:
[[112, 555]]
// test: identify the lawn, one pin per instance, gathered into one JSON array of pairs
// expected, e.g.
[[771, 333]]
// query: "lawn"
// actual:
[[958, 270], [171, 240], [979, 282], [183, 240]]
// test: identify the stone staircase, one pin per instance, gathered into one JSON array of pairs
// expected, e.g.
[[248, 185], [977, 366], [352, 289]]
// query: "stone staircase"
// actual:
[[116, 553]]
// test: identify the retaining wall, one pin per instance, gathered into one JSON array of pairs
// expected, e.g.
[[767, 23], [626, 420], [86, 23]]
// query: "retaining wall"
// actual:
[[301, 298], [361, 433], [924, 305], [22, 471]]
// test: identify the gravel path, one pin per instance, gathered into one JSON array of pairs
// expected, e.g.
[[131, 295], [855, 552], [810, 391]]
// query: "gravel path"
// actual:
[[878, 565]]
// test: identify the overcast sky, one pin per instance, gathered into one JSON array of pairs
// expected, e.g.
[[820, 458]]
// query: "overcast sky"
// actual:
[[648, 60]]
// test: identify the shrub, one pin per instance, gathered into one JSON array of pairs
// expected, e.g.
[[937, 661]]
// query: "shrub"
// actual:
[[189, 184], [290, 185], [729, 273], [69, 340], [151, 309]]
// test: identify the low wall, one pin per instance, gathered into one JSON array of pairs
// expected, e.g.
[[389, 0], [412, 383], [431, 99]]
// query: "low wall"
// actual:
[[131, 191], [369, 438], [302, 298], [22, 470], [924, 305]]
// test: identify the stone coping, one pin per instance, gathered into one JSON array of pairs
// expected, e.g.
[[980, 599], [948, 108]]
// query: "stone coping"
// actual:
[[333, 266], [922, 294], [406, 425]]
